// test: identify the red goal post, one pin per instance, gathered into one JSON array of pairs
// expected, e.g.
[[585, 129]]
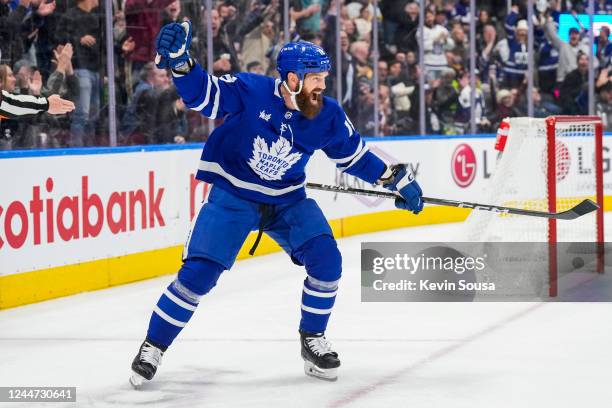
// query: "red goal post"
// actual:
[[547, 164], [589, 126]]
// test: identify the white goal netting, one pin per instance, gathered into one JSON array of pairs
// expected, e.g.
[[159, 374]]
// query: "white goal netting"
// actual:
[[522, 178]]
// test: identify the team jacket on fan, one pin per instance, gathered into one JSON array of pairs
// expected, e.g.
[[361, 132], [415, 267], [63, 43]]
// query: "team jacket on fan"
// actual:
[[261, 150]]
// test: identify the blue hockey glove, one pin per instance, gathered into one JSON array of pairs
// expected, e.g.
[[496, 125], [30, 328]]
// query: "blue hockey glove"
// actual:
[[402, 181], [172, 45]]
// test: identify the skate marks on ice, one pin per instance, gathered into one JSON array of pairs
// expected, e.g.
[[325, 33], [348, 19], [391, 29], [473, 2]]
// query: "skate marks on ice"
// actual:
[[187, 386], [392, 378]]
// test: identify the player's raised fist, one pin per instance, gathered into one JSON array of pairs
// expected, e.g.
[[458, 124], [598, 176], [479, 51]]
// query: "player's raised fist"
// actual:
[[172, 45], [402, 181]]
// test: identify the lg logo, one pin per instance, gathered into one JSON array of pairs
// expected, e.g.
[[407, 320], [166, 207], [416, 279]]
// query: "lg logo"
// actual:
[[463, 165]]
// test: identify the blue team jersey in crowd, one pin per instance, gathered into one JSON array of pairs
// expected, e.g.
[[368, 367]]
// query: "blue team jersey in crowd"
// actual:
[[261, 150]]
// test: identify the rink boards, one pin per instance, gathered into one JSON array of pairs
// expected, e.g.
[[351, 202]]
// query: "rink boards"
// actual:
[[85, 219]]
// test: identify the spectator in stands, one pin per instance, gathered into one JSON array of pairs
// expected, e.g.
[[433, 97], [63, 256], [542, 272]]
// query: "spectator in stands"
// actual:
[[63, 82], [40, 27], [138, 122], [247, 35], [255, 67], [11, 36], [604, 46], [259, 33], [433, 125], [568, 52], [364, 23], [81, 27], [441, 17], [24, 72], [485, 48], [383, 72], [364, 117], [360, 50], [516, 60], [542, 108], [548, 62], [603, 7], [603, 107], [171, 13], [401, 91], [388, 9], [307, 14], [225, 57], [170, 118], [435, 42], [407, 16], [484, 19], [463, 113], [143, 21], [385, 110], [445, 98], [574, 88], [458, 46], [505, 107]]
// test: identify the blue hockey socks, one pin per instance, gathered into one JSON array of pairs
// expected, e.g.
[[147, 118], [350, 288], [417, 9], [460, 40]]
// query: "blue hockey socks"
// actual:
[[318, 299], [172, 312]]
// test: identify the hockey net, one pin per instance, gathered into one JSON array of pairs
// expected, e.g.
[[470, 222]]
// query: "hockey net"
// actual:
[[550, 165]]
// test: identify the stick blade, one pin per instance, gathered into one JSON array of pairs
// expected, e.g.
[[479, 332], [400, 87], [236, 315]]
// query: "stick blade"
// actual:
[[585, 207]]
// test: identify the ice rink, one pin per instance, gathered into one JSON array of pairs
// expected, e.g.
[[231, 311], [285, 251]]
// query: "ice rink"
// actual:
[[241, 348]]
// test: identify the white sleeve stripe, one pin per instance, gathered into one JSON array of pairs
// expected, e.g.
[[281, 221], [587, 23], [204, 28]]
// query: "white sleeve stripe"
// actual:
[[206, 99], [215, 108], [356, 159], [350, 130], [347, 159], [178, 301]]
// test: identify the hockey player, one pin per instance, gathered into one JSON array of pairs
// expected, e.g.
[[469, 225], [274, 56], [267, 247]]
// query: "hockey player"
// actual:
[[256, 162]]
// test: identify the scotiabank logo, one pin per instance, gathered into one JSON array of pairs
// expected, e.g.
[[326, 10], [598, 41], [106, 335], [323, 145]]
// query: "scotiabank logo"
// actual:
[[80, 216], [463, 165]]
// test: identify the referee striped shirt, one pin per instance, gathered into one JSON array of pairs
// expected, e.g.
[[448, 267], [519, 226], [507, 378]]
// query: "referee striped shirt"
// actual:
[[14, 106]]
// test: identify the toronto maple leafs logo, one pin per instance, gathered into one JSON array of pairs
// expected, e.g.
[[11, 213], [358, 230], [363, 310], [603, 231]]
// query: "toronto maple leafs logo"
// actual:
[[265, 116], [271, 163]]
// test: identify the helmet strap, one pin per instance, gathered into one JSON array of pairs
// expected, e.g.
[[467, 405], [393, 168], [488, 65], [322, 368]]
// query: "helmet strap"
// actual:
[[293, 94]]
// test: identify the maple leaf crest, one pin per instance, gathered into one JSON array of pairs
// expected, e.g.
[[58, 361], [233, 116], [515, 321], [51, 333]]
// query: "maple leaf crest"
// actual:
[[272, 162]]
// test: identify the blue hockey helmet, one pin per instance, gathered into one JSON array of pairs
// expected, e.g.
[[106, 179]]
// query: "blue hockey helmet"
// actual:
[[301, 58]]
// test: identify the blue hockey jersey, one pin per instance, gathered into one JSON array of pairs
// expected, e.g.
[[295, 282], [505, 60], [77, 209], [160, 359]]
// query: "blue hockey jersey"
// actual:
[[261, 150]]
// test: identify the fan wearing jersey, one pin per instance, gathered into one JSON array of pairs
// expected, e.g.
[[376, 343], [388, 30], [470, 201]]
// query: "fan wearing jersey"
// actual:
[[256, 163]]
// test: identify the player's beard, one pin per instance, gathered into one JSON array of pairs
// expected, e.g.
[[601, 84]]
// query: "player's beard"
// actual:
[[310, 103]]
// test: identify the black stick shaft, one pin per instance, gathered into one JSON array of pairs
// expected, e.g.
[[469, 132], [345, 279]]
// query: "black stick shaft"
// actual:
[[583, 208]]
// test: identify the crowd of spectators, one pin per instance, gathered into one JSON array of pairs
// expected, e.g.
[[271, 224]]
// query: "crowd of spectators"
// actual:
[[59, 46]]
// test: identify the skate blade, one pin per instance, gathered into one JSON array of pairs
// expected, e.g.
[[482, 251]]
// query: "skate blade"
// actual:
[[137, 380], [327, 374]]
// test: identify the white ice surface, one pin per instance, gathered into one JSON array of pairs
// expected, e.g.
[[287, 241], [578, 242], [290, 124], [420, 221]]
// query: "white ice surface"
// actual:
[[241, 350]]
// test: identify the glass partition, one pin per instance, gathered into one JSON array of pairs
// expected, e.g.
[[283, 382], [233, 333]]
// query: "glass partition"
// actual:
[[398, 67]]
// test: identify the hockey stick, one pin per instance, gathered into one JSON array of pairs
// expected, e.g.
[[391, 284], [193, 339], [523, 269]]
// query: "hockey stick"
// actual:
[[578, 210]]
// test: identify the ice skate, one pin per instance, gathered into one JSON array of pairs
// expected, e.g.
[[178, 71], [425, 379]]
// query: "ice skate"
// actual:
[[145, 363], [320, 361]]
